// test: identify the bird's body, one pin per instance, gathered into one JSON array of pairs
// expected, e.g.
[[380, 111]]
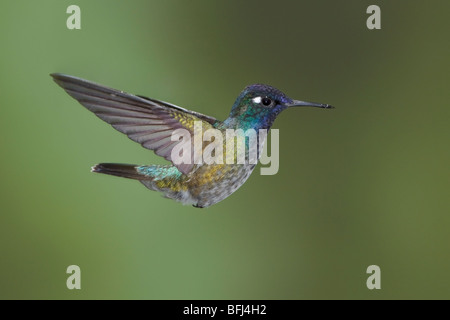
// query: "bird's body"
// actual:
[[206, 186], [152, 122]]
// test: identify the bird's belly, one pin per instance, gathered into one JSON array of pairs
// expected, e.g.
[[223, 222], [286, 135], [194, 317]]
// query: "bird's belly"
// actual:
[[213, 183]]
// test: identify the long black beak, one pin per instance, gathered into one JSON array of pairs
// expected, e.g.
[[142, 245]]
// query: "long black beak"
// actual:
[[297, 103]]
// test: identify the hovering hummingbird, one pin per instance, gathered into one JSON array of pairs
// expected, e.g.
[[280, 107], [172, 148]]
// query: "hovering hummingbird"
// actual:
[[151, 123]]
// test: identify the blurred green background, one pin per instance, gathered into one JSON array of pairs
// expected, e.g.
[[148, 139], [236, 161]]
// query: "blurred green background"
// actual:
[[366, 183]]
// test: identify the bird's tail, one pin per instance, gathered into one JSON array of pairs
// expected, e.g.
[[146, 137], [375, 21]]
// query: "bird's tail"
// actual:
[[120, 170], [166, 179]]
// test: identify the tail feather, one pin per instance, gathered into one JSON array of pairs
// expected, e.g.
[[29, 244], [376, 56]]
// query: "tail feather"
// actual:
[[119, 170], [166, 179]]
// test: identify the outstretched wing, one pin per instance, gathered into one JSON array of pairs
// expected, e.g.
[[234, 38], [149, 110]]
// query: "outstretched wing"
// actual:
[[147, 121]]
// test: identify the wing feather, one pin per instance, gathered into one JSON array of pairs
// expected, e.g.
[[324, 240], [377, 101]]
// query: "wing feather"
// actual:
[[147, 121]]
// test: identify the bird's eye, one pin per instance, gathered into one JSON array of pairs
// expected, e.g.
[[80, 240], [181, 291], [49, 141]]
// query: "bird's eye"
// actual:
[[266, 101]]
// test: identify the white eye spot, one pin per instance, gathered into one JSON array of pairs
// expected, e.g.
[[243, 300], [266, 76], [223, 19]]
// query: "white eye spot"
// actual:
[[257, 99]]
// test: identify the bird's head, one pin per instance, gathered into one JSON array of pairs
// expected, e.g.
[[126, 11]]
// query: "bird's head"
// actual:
[[258, 105]]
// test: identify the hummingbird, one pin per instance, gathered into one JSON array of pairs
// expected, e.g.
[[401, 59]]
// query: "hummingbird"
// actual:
[[151, 123]]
